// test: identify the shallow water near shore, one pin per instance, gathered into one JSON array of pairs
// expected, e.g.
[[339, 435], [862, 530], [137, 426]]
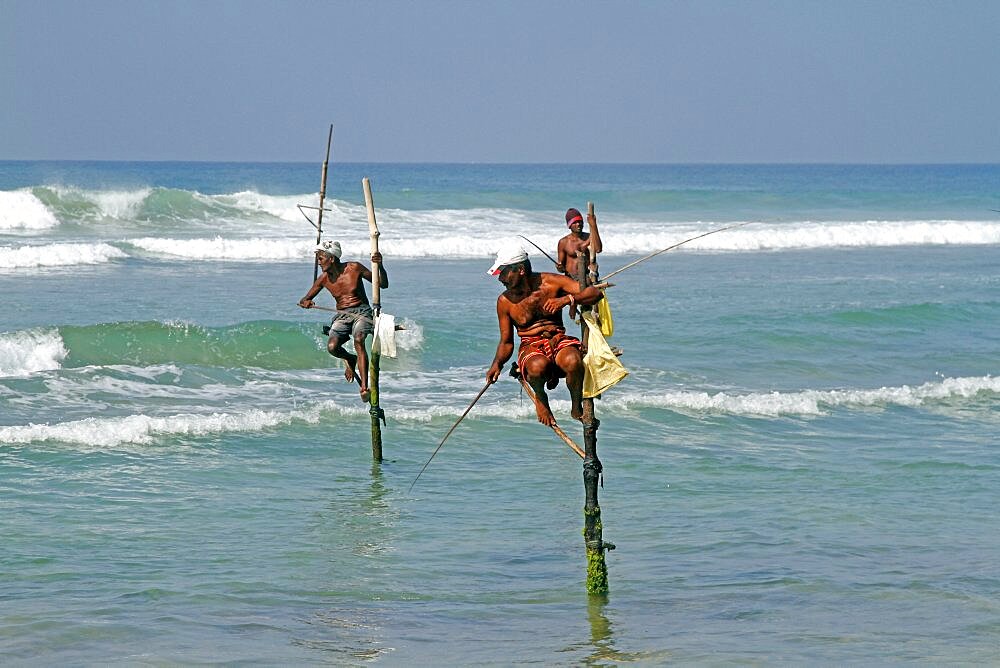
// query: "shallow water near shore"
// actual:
[[801, 467]]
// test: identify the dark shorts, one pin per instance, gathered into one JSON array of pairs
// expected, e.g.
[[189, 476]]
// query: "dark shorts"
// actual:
[[351, 321]]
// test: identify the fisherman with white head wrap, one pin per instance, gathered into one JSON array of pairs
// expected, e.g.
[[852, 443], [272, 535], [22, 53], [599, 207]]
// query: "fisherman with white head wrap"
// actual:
[[532, 303], [355, 318]]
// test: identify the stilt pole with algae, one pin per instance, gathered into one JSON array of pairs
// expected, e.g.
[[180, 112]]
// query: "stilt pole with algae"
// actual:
[[596, 546]]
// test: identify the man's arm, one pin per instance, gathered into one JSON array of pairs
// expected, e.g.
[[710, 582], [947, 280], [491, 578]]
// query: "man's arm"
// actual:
[[595, 237], [383, 277], [506, 346], [561, 256], [306, 302], [587, 296]]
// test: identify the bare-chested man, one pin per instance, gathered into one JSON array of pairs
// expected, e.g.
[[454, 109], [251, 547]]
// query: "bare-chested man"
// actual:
[[533, 303], [571, 247], [354, 314]]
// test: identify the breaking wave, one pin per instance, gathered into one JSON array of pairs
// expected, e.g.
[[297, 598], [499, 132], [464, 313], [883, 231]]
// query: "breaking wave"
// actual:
[[225, 249], [444, 244], [144, 429], [250, 225], [27, 352], [58, 255], [21, 210], [808, 402]]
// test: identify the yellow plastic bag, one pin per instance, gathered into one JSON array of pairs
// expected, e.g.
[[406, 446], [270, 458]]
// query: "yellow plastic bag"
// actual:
[[604, 315], [602, 370]]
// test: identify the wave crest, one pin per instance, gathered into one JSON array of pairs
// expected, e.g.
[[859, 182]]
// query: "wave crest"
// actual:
[[58, 255], [808, 402], [21, 210], [144, 429], [27, 352]]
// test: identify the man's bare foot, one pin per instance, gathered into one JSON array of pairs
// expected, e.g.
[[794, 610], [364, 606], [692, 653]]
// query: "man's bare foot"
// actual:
[[365, 394], [544, 413], [349, 367]]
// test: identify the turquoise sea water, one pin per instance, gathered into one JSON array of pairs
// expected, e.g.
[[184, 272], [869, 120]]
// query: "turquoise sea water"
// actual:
[[801, 468]]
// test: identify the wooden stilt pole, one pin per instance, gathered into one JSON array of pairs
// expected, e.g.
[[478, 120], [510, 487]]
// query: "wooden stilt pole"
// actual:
[[376, 412], [597, 569]]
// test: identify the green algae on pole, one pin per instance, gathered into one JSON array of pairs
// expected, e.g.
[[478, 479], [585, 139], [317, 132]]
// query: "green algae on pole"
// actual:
[[597, 568]]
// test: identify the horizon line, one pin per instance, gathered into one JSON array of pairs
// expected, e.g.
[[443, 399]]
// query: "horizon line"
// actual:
[[511, 163]]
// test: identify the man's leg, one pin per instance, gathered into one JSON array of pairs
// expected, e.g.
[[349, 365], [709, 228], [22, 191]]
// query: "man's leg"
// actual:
[[570, 360], [362, 357], [536, 372], [335, 346]]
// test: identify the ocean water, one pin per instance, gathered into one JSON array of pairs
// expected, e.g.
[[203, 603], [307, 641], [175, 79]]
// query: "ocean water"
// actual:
[[802, 466]]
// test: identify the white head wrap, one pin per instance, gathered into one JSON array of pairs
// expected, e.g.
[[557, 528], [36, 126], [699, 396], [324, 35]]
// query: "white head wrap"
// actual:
[[511, 252], [330, 248]]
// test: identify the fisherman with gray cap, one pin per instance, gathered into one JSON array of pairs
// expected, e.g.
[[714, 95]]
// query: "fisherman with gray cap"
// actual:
[[533, 303], [355, 318]]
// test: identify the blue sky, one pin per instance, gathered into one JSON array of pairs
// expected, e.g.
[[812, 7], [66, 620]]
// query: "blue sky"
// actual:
[[502, 81]]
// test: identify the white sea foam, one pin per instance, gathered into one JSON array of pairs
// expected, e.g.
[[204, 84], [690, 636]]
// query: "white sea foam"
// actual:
[[806, 402], [452, 240], [478, 233], [297, 249], [140, 383], [26, 352], [143, 429], [219, 248], [807, 235], [411, 337], [21, 210], [284, 207], [430, 403], [58, 255], [118, 204]]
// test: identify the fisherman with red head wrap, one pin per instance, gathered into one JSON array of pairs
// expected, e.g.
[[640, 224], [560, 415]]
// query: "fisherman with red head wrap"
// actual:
[[577, 244]]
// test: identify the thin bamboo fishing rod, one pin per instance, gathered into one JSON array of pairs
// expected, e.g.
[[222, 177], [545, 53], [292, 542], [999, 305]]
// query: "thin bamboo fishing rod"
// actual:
[[398, 328], [556, 428], [322, 196], [643, 259], [481, 393], [600, 286], [324, 308], [539, 249]]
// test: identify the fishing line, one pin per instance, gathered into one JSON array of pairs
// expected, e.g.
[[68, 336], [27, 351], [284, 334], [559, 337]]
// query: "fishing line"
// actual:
[[481, 393], [643, 259]]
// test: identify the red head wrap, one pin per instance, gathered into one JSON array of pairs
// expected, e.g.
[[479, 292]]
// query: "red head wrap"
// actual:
[[572, 216]]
